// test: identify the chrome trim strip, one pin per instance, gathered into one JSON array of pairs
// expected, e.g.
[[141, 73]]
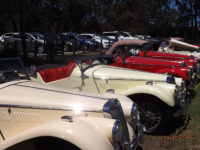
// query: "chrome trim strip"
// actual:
[[48, 108], [2, 135], [170, 57], [62, 92], [108, 78], [155, 65]]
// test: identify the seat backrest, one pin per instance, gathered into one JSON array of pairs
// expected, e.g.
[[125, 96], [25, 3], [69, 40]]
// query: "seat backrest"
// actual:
[[49, 75]]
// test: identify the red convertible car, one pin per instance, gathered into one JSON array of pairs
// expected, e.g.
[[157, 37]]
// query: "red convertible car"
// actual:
[[127, 55], [191, 61]]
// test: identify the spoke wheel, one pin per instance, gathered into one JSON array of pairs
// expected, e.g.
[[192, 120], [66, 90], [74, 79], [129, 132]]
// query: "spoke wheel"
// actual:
[[152, 116]]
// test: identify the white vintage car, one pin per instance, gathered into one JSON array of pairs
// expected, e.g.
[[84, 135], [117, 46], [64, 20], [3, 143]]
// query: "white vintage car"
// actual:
[[179, 47], [37, 116], [157, 95]]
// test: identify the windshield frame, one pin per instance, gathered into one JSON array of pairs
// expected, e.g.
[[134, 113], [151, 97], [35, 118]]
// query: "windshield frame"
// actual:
[[20, 63]]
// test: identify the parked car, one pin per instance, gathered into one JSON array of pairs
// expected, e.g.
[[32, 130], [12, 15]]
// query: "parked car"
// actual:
[[44, 116], [179, 47], [104, 40], [6, 35], [126, 56], [80, 43], [157, 95], [34, 41], [142, 37], [152, 51], [113, 35]]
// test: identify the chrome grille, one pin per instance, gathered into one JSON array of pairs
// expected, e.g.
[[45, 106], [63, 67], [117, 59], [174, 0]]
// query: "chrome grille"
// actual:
[[113, 107]]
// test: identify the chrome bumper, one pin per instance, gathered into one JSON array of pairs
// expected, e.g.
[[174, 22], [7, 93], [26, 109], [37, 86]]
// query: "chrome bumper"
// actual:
[[179, 112], [181, 109], [138, 138], [113, 107], [193, 81]]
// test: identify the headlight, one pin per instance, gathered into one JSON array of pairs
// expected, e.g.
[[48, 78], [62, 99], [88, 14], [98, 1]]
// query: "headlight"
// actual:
[[196, 63], [198, 68], [176, 91], [192, 69], [183, 84], [183, 64], [170, 79], [189, 73], [117, 131], [113, 107], [191, 57]]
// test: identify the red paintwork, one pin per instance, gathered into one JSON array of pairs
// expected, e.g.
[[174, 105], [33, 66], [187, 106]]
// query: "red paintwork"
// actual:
[[169, 56], [49, 75], [152, 65]]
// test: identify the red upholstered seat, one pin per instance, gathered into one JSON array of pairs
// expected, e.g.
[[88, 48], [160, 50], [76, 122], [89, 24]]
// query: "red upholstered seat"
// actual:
[[49, 75]]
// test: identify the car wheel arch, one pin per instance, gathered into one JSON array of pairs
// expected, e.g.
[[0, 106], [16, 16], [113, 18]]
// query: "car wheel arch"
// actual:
[[164, 95], [139, 97], [65, 130], [45, 142], [164, 109]]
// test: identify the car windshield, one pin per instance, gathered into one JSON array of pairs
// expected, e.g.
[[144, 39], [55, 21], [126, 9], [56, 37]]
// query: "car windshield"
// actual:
[[12, 69], [126, 34], [103, 37], [80, 36]]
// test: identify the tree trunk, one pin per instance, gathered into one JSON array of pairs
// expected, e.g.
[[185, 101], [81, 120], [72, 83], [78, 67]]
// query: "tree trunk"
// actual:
[[195, 20], [15, 29], [21, 18]]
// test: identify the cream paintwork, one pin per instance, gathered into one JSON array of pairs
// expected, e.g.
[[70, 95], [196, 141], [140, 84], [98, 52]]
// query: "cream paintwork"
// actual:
[[125, 81], [32, 110], [80, 133], [186, 49]]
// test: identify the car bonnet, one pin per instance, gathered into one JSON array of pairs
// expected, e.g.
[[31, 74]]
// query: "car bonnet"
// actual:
[[109, 72], [31, 94]]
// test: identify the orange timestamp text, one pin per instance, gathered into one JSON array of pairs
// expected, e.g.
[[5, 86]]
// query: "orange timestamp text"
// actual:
[[177, 137]]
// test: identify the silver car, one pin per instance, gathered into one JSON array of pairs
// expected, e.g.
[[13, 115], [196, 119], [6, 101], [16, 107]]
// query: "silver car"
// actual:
[[34, 41]]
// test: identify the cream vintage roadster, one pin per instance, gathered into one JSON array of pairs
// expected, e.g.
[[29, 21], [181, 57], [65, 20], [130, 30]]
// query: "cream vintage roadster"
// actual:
[[179, 47], [37, 116], [158, 96]]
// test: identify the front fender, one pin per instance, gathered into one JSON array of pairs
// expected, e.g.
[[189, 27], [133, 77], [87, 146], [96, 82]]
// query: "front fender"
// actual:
[[176, 72], [79, 132], [154, 90]]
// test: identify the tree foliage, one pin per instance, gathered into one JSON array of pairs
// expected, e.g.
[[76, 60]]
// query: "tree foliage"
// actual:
[[159, 18]]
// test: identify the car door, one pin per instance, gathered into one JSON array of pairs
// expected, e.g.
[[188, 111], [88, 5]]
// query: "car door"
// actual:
[[30, 43]]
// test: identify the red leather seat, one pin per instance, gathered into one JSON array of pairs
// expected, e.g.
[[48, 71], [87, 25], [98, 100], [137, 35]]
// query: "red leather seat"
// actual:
[[49, 75]]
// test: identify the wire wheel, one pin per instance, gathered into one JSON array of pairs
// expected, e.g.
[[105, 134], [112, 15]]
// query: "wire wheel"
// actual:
[[151, 116]]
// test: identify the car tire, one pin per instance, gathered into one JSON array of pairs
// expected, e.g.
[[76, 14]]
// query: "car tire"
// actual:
[[68, 48], [154, 115], [9, 45]]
